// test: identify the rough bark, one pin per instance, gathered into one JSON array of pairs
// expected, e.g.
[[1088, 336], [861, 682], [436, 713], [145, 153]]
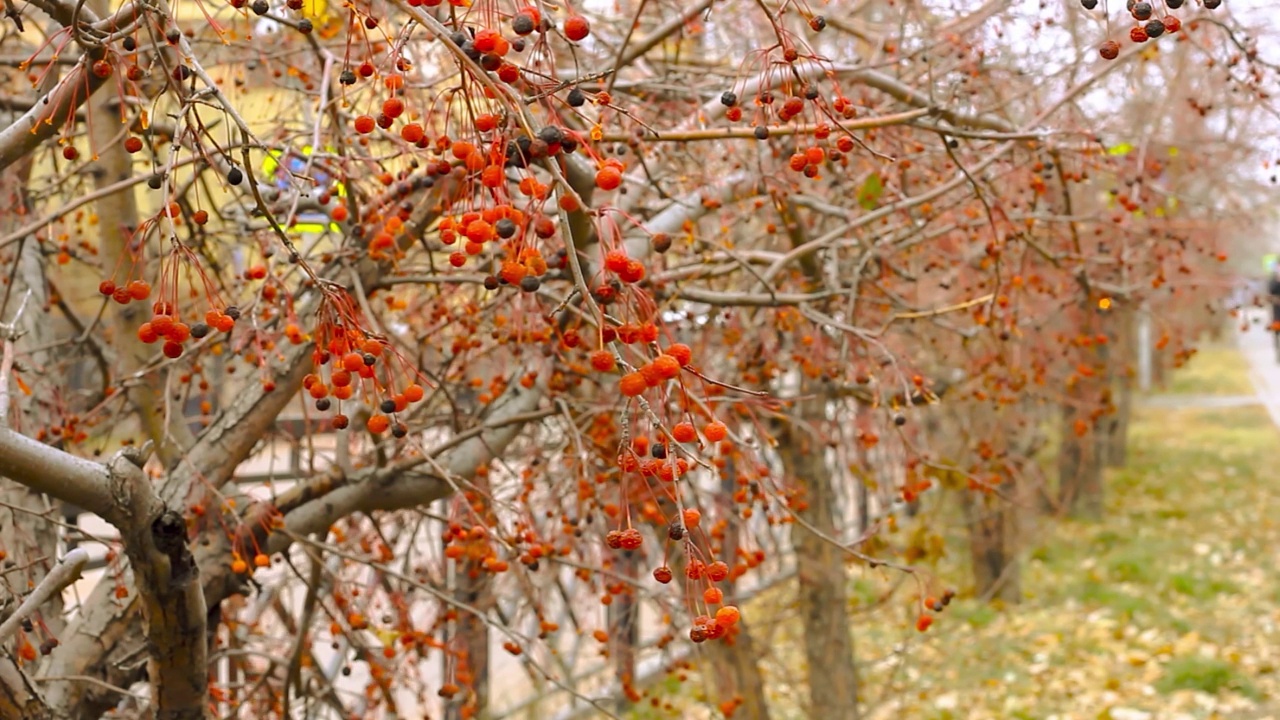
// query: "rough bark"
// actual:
[[27, 537], [624, 631], [992, 520], [822, 583], [105, 643], [1122, 333], [736, 661], [1081, 461]]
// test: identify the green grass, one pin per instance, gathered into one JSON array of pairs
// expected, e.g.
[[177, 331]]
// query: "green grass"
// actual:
[[1173, 598], [1175, 593], [1215, 369], [1204, 675]]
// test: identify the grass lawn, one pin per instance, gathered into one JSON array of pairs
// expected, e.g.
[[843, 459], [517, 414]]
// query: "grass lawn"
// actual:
[[1169, 606], [1215, 369], [1168, 609]]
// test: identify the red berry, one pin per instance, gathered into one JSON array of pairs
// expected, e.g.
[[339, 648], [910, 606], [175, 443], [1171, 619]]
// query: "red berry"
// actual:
[[616, 261], [139, 289], [684, 432], [364, 124], [632, 384], [681, 353], [608, 178], [632, 273], [412, 133], [631, 539], [715, 431], [666, 367], [576, 28], [603, 361]]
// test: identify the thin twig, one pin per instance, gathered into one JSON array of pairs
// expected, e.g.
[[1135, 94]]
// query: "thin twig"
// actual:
[[63, 574]]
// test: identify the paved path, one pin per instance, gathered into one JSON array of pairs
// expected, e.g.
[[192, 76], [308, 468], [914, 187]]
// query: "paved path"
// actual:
[[1199, 401], [1258, 348]]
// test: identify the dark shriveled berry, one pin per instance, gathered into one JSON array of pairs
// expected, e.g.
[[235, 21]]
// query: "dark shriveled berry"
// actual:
[[505, 228], [522, 24], [551, 135]]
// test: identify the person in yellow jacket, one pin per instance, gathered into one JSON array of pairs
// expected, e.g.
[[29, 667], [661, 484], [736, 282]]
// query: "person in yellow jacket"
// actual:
[[281, 165]]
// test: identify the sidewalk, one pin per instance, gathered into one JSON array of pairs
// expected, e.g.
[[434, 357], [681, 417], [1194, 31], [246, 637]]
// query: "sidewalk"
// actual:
[[1257, 346]]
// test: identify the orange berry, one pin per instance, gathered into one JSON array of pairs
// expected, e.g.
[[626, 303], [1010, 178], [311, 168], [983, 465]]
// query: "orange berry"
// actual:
[[692, 518], [608, 178], [728, 616], [681, 353], [632, 384], [261, 560], [715, 431], [923, 622], [378, 424], [412, 133], [713, 595], [603, 361], [684, 432], [666, 367]]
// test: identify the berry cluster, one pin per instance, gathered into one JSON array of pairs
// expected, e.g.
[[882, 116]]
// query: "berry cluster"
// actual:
[[1148, 25], [356, 362]]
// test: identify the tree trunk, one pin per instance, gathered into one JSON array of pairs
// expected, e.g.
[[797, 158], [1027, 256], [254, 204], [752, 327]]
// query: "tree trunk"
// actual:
[[624, 632], [1080, 465], [735, 662], [993, 542], [1121, 333], [822, 581], [471, 642], [27, 533]]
